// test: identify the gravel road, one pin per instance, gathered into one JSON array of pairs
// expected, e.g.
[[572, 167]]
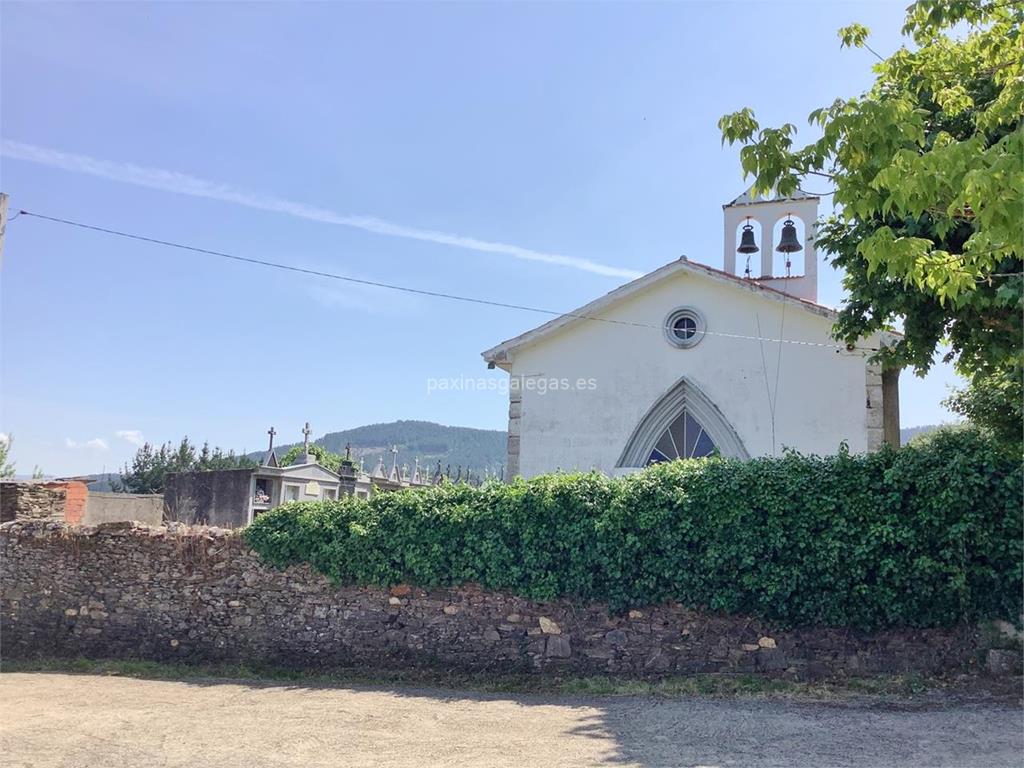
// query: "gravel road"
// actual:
[[78, 720]]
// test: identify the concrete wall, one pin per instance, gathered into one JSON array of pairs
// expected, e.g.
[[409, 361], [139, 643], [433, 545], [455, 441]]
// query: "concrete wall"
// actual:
[[201, 595], [821, 392], [118, 507], [218, 497]]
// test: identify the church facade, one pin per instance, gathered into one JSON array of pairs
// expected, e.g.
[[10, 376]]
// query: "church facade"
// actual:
[[689, 360]]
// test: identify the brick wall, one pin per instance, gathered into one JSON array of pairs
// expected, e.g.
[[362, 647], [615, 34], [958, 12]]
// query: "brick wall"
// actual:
[[199, 594], [76, 495]]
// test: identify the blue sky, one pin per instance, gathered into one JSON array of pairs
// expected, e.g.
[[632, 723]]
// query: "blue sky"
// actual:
[[527, 153]]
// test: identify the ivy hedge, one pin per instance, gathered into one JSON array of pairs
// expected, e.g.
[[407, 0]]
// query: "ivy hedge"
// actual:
[[927, 535]]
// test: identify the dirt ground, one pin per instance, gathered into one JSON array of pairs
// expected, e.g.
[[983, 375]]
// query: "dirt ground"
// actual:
[[49, 719]]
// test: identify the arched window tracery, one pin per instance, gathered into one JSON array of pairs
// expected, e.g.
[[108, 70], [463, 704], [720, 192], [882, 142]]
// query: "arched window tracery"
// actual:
[[684, 438]]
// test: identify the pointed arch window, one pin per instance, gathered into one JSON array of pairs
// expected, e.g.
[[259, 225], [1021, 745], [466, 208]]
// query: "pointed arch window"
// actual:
[[684, 438], [683, 423]]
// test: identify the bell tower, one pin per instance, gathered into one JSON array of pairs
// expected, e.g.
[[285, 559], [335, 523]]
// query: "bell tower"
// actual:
[[769, 257]]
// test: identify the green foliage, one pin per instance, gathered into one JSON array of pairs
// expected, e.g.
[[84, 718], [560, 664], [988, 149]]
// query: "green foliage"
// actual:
[[854, 36], [919, 536], [150, 465], [926, 438], [995, 403], [7, 469], [936, 137], [912, 433], [927, 169], [983, 334], [323, 457]]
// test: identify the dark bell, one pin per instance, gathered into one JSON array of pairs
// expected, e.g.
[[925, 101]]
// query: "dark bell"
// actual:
[[747, 244], [789, 243]]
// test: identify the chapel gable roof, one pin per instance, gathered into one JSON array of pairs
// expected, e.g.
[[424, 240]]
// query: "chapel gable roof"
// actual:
[[499, 353]]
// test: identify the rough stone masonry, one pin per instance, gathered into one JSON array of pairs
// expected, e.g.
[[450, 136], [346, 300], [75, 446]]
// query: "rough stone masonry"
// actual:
[[200, 595]]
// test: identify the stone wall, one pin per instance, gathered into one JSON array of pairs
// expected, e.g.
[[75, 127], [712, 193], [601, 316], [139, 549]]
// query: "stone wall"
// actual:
[[70, 501], [199, 594], [34, 500]]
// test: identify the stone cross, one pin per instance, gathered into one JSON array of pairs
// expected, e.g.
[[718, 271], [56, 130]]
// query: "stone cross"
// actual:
[[271, 432], [306, 432]]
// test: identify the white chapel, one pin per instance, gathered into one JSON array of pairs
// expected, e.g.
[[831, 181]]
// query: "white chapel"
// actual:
[[689, 359]]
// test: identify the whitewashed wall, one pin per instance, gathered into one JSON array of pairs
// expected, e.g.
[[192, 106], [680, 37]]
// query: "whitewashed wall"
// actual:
[[821, 398]]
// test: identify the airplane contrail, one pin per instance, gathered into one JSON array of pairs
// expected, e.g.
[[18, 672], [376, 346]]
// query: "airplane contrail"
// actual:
[[184, 184]]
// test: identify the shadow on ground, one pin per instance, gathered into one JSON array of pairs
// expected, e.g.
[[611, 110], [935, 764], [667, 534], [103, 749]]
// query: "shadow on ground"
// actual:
[[278, 723]]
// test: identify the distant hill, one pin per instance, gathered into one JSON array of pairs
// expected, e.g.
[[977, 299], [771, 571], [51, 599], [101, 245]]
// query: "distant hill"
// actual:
[[102, 483], [481, 450], [907, 433], [477, 449]]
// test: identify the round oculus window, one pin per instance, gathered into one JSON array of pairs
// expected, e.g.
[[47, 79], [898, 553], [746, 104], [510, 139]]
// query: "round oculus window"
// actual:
[[684, 327]]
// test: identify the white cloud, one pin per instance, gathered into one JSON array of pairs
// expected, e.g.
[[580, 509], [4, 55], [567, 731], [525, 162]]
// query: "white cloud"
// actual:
[[133, 436], [96, 444], [183, 184]]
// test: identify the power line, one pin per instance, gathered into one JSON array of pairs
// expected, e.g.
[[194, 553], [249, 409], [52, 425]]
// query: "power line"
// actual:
[[419, 291]]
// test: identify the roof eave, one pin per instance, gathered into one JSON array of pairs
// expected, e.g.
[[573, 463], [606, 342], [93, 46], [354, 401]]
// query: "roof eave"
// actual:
[[502, 352], [500, 355]]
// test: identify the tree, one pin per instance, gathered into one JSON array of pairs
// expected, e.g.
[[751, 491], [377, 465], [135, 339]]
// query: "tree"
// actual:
[[146, 475], [927, 169], [993, 402], [150, 465], [217, 459], [6, 468], [323, 457]]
